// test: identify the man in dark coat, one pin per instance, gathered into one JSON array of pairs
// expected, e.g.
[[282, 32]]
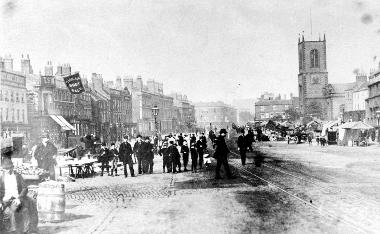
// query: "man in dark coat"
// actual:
[[242, 147], [125, 156], [44, 154], [180, 140], [175, 156], [200, 150], [221, 154], [164, 152], [146, 150], [149, 156], [250, 138], [194, 156], [138, 153]]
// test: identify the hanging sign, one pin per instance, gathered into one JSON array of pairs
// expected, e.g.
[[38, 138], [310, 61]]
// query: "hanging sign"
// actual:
[[74, 83]]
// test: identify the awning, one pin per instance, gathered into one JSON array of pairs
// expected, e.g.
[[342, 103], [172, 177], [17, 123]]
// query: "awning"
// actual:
[[62, 122], [65, 122]]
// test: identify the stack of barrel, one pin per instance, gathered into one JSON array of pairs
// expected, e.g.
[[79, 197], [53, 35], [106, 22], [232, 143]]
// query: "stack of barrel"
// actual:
[[51, 201]]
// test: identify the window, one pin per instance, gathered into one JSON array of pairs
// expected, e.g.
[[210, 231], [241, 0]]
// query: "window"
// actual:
[[13, 115], [18, 115], [314, 58], [262, 108], [1, 114], [1, 95], [23, 116], [12, 96], [6, 115], [17, 99], [22, 98]]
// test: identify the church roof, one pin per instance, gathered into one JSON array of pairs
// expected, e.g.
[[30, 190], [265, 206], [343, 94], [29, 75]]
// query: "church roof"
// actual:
[[361, 87], [341, 87]]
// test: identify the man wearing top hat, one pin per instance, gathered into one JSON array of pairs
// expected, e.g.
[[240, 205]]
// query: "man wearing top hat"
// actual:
[[19, 215], [125, 155], [221, 154], [44, 154]]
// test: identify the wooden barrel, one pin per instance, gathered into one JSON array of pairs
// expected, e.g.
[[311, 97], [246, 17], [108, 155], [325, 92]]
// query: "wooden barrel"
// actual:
[[51, 201]]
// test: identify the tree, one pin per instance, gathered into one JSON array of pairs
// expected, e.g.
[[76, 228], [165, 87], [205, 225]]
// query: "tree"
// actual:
[[292, 114]]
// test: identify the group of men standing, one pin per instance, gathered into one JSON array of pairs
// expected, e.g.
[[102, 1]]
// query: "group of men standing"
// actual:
[[175, 147], [244, 143], [143, 150], [124, 155]]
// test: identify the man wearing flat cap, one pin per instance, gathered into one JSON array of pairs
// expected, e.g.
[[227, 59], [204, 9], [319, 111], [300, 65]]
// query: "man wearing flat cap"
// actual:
[[221, 154], [19, 214], [44, 154]]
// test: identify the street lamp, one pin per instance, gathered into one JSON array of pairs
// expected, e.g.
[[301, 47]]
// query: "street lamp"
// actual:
[[155, 111]]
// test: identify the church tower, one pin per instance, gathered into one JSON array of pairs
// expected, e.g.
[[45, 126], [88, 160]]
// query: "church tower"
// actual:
[[312, 77]]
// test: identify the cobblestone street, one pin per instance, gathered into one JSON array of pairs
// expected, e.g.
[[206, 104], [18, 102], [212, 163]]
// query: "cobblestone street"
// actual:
[[197, 203]]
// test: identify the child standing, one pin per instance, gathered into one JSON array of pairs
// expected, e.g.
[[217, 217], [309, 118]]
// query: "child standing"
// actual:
[[114, 159]]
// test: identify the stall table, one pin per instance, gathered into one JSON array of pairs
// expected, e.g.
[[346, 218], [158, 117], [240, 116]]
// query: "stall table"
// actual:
[[79, 168]]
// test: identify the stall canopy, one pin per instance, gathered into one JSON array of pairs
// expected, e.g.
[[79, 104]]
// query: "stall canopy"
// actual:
[[356, 125], [66, 126]]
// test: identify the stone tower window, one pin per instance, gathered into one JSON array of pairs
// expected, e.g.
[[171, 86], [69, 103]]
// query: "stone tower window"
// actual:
[[314, 58]]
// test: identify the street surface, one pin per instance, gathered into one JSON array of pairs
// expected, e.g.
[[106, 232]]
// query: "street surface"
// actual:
[[291, 189]]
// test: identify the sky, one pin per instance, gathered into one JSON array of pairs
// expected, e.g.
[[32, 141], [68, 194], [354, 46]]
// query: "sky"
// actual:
[[207, 49]]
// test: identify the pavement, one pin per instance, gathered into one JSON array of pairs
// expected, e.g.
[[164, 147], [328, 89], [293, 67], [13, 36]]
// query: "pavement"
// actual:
[[197, 203]]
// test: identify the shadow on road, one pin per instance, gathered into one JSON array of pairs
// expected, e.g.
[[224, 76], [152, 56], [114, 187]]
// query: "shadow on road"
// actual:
[[272, 214], [49, 228]]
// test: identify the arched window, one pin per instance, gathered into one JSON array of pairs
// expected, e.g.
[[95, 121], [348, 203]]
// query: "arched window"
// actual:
[[314, 58]]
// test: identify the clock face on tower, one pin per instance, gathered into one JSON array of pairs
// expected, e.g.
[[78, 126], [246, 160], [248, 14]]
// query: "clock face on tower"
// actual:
[[315, 79]]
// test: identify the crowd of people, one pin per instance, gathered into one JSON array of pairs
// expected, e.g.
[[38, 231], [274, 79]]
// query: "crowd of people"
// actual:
[[176, 152]]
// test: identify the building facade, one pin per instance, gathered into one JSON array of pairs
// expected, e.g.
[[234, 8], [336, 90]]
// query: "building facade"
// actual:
[[184, 113], [312, 77], [144, 98], [268, 107], [13, 104], [373, 100], [214, 115]]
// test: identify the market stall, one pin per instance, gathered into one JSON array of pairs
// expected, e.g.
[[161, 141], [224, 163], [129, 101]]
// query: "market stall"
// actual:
[[354, 133]]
